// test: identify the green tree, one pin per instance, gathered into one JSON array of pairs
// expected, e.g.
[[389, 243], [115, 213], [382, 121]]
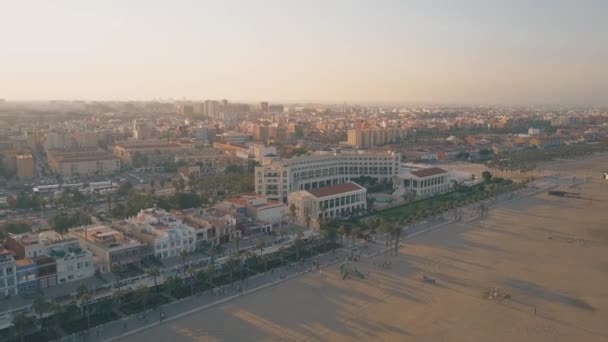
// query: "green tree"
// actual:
[[40, 305], [20, 323], [84, 297], [142, 294], [154, 272], [486, 175]]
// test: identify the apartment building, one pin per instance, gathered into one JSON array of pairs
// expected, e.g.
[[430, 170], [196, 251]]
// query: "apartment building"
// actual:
[[26, 168], [376, 136], [71, 261], [153, 151], [109, 246], [329, 202], [165, 233], [8, 274], [82, 163], [276, 178]]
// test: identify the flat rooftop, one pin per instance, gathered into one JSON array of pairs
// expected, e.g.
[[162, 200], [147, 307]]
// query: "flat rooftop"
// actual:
[[335, 189]]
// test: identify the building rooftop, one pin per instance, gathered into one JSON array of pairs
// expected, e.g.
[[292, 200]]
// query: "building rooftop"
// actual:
[[432, 171], [335, 189]]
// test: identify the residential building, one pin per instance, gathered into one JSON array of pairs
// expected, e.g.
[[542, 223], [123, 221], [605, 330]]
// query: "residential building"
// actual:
[[276, 178], [71, 261], [110, 247], [329, 202], [369, 137], [82, 163], [166, 234], [25, 166], [153, 151], [212, 227], [8, 274]]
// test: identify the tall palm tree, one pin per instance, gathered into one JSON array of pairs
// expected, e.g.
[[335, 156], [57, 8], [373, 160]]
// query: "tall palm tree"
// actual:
[[142, 293], [40, 306], [154, 272], [184, 255], [297, 242], [191, 272], [84, 296], [341, 232], [259, 244], [387, 228], [20, 322], [210, 271], [231, 264]]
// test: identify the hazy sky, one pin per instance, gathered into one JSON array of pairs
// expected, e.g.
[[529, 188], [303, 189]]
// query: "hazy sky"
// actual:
[[505, 51]]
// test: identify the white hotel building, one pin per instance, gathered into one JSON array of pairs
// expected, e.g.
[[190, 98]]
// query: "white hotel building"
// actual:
[[276, 178], [423, 181], [330, 202]]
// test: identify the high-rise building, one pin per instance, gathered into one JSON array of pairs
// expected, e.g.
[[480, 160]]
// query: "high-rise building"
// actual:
[[261, 133], [211, 109], [86, 139], [264, 107], [25, 166]]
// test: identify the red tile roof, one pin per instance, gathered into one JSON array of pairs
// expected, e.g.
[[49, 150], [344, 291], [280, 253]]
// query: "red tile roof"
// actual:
[[432, 171], [335, 189]]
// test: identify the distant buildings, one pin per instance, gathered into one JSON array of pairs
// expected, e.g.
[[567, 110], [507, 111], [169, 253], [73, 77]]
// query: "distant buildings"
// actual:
[[264, 107], [26, 169], [144, 151], [82, 163], [369, 137], [330, 202]]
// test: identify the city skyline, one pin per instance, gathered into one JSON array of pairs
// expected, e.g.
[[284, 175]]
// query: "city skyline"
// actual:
[[548, 52]]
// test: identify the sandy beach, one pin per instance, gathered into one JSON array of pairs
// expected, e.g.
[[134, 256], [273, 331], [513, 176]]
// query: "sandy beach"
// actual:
[[535, 270]]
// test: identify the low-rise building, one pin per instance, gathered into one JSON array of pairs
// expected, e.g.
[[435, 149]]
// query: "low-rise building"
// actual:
[[109, 246], [8, 274], [213, 227], [146, 151], [82, 163], [329, 202], [423, 181], [165, 233]]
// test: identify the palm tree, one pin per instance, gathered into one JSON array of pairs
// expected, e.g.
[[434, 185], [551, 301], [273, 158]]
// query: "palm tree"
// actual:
[[387, 228], [210, 271], [259, 244], [40, 305], [154, 272], [231, 264], [191, 272], [292, 212], [341, 232], [281, 253], [171, 284], [20, 322], [184, 255], [142, 294], [297, 242], [57, 310], [83, 295]]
